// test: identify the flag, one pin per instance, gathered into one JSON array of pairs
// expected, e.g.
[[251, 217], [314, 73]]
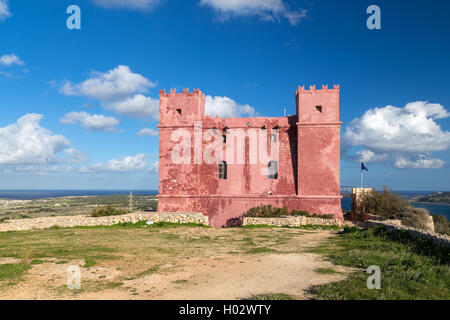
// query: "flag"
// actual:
[[363, 167]]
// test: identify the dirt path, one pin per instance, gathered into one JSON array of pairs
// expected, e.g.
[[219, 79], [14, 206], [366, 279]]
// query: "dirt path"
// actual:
[[290, 271]]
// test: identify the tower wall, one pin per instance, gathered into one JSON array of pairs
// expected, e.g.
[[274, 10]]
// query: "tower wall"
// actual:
[[318, 130]]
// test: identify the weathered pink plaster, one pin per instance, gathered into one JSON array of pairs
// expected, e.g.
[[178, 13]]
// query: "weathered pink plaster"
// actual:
[[308, 169]]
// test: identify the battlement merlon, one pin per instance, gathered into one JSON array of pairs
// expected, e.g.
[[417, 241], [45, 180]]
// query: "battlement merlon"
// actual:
[[318, 106], [173, 92], [312, 89]]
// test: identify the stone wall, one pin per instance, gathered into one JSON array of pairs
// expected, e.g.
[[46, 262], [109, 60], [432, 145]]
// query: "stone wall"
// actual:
[[438, 239], [84, 221], [292, 221]]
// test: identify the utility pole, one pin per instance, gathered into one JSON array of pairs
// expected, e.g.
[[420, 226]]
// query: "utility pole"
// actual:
[[131, 202]]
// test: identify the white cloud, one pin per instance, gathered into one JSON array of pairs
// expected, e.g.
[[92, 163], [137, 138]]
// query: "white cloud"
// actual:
[[147, 132], [27, 143], [4, 10], [124, 164], [154, 167], [11, 59], [138, 106], [404, 136], [422, 162], [370, 156], [113, 85], [94, 122], [76, 156], [118, 90], [225, 107], [267, 10], [128, 4]]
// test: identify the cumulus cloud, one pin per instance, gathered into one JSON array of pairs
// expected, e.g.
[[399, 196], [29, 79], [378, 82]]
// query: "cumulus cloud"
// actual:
[[26, 143], [267, 10], [118, 90], [113, 85], [423, 162], [137, 106], [10, 59], [145, 5], [405, 137], [94, 122], [123, 164], [225, 107], [4, 10], [147, 132]]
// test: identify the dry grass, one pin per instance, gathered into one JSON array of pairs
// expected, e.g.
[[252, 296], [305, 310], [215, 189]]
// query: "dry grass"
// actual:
[[118, 258]]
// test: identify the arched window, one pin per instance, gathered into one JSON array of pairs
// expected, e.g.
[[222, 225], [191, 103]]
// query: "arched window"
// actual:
[[223, 170], [273, 170]]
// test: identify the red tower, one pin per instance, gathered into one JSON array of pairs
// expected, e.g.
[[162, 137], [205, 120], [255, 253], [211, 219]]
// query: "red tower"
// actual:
[[307, 173]]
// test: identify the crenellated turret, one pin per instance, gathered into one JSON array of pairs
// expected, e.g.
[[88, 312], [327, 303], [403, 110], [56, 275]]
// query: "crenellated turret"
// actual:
[[181, 108]]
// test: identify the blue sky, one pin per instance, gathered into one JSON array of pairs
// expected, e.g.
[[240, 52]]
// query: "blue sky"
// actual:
[[248, 56]]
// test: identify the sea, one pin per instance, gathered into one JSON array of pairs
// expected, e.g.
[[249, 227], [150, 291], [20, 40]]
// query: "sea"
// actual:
[[433, 208]]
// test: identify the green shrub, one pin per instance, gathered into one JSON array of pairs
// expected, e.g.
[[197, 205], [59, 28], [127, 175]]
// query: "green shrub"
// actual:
[[388, 205], [441, 224], [106, 211], [268, 211], [385, 204]]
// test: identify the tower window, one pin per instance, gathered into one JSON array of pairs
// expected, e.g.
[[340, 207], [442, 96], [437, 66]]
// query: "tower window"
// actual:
[[319, 108], [273, 138], [273, 170], [224, 138], [179, 111], [223, 170]]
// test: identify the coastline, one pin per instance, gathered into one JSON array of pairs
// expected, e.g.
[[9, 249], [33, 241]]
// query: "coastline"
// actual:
[[443, 204]]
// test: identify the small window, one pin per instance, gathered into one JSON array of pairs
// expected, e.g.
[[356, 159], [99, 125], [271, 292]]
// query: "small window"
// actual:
[[273, 170], [273, 138], [223, 170], [319, 108], [179, 111], [224, 139]]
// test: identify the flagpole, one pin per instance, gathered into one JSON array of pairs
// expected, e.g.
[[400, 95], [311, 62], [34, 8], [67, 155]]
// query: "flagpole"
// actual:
[[362, 174]]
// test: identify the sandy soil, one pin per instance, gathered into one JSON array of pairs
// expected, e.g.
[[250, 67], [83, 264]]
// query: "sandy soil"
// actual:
[[215, 276]]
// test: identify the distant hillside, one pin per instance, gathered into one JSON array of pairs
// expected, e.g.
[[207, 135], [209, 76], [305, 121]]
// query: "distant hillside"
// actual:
[[438, 197]]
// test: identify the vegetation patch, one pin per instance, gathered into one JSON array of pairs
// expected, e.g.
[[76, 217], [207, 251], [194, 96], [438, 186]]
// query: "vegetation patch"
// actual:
[[388, 205], [181, 281], [270, 296], [106, 211], [259, 250], [10, 274], [441, 224], [410, 268], [268, 211], [326, 271], [149, 271], [88, 263]]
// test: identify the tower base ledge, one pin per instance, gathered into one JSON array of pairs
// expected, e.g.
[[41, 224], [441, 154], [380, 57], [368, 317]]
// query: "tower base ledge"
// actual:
[[221, 209]]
